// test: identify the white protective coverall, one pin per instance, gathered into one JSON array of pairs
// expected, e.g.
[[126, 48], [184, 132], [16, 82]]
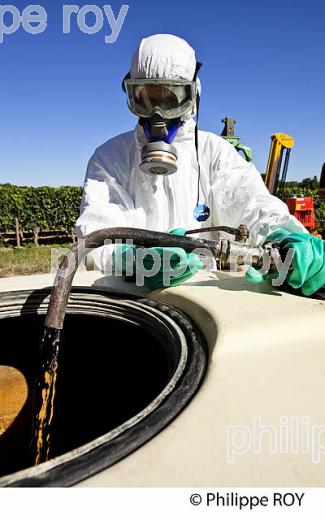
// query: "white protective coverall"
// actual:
[[117, 193]]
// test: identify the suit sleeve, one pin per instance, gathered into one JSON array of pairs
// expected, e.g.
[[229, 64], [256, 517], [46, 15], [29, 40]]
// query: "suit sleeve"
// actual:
[[241, 197]]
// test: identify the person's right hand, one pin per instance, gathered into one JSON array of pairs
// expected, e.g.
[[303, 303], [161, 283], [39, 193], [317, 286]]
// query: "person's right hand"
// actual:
[[180, 267]]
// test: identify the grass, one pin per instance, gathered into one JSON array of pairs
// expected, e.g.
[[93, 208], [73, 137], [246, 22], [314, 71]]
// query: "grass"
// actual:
[[26, 260]]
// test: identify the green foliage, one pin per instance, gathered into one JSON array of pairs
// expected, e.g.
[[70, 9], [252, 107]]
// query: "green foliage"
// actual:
[[11, 202], [46, 207]]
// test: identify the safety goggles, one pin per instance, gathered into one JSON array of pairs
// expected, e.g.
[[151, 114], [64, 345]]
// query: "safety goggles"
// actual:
[[170, 98]]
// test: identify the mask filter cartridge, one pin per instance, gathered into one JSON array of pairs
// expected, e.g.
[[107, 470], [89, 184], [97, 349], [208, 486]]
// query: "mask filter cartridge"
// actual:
[[158, 158]]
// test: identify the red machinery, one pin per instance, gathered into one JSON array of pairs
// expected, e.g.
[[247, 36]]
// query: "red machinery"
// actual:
[[303, 209]]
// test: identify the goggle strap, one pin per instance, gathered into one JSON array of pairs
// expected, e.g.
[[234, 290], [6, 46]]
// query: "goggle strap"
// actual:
[[197, 69], [127, 76]]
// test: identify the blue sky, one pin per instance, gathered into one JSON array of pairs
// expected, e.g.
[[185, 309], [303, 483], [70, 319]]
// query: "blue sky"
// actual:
[[61, 93]]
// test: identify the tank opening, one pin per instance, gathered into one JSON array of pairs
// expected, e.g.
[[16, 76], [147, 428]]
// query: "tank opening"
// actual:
[[109, 371]]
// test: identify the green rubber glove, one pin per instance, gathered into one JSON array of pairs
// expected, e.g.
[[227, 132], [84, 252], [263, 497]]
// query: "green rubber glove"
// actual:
[[308, 264], [121, 257], [179, 259], [182, 265]]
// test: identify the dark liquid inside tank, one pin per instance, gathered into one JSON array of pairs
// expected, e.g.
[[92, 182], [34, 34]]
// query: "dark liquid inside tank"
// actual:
[[109, 370]]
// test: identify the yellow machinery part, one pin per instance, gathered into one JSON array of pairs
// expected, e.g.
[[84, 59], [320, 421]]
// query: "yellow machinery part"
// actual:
[[279, 142], [284, 139]]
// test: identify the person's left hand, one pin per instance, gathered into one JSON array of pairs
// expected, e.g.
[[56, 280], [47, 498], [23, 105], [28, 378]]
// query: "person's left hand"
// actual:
[[307, 269]]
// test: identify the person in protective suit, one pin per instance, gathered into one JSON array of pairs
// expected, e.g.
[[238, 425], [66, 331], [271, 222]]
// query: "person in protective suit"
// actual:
[[166, 174]]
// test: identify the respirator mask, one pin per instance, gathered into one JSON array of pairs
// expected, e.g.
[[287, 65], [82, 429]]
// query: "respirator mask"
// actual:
[[161, 106]]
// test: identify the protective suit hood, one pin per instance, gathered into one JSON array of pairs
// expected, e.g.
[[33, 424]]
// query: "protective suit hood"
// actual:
[[163, 56]]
